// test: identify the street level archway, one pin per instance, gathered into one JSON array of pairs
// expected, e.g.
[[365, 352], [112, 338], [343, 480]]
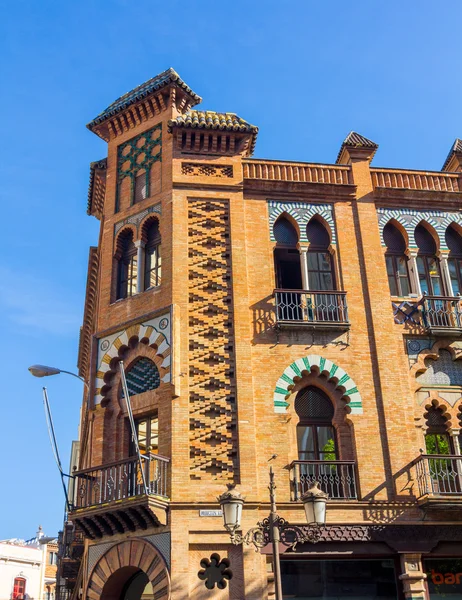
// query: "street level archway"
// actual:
[[128, 567]]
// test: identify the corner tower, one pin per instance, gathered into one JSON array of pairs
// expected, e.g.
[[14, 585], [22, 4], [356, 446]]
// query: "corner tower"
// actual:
[[160, 300]]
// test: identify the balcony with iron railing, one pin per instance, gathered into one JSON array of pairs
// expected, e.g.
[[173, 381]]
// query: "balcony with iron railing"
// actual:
[[312, 309], [437, 315], [126, 495], [441, 314], [337, 478], [439, 479]]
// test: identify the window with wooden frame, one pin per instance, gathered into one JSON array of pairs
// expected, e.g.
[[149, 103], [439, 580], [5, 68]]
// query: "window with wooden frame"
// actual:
[[428, 267], [147, 430], [396, 261], [127, 266], [454, 243], [153, 260], [321, 276], [316, 437], [19, 588]]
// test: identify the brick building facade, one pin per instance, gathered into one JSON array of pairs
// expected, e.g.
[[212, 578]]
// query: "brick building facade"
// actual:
[[261, 308]]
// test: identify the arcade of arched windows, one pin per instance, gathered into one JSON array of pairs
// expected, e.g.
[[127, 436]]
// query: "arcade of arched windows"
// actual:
[[304, 265], [137, 262], [429, 266]]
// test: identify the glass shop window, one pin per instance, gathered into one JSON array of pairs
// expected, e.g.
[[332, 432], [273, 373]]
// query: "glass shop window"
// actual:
[[444, 578], [339, 579]]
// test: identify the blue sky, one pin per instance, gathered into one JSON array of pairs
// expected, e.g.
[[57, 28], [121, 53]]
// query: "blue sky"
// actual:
[[305, 72]]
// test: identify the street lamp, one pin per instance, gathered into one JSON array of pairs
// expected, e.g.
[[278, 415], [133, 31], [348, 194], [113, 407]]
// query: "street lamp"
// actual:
[[314, 502], [275, 529], [43, 371]]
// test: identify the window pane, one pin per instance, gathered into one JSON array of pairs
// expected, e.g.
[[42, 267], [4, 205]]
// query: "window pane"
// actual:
[[392, 284], [133, 275], [313, 261], [421, 266], [159, 265], [454, 272], [326, 281], [437, 443], [455, 286], [142, 433], [324, 261], [443, 445], [424, 284], [305, 441], [154, 439], [433, 267], [402, 265], [152, 270], [430, 444], [436, 286], [326, 443], [313, 281], [404, 283], [140, 187], [390, 265]]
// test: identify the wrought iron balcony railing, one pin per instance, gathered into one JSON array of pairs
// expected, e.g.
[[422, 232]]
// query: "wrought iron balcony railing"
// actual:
[[120, 480], [442, 312], [337, 478], [321, 308], [439, 475]]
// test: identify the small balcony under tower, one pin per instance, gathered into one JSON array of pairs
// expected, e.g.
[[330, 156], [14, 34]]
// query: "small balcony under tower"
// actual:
[[127, 495]]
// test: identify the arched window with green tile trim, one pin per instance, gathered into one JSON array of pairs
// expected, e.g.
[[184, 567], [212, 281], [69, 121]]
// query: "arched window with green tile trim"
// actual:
[[330, 370]]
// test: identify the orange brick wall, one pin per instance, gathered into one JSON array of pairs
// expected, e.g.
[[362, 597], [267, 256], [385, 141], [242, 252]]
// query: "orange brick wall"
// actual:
[[246, 431]]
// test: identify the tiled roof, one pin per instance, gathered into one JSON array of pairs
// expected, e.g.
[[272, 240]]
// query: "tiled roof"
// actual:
[[143, 90], [455, 148], [355, 140], [209, 119]]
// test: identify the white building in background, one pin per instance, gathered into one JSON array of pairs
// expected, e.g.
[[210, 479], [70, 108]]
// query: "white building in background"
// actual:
[[24, 569]]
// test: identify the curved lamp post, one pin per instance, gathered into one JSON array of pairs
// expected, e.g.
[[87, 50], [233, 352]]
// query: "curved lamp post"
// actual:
[[275, 529], [44, 371]]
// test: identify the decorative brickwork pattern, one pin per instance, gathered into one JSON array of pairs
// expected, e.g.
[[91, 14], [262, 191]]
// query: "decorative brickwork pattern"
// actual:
[[334, 373], [138, 154], [89, 315], [97, 188], [410, 218], [95, 552], [197, 169], [213, 437], [301, 212], [162, 543]]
